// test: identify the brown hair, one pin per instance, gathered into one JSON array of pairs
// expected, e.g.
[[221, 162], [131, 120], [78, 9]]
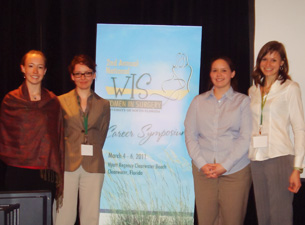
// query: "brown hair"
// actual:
[[234, 83], [34, 52], [84, 60], [257, 74]]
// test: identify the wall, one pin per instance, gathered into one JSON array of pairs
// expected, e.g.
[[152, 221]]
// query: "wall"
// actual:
[[284, 21]]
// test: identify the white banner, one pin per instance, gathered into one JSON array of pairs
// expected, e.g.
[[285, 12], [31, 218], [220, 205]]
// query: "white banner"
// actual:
[[150, 74]]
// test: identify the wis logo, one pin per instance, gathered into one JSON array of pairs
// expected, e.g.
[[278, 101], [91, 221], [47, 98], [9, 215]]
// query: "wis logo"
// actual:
[[174, 88]]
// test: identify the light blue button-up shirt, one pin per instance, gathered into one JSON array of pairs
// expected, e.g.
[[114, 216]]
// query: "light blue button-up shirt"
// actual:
[[219, 130]]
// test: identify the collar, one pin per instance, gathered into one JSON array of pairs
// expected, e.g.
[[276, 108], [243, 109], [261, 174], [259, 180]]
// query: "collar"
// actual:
[[274, 87], [77, 96], [228, 94], [89, 102]]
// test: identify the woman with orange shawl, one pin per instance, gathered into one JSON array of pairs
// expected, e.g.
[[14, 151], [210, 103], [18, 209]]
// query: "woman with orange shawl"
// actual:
[[31, 133]]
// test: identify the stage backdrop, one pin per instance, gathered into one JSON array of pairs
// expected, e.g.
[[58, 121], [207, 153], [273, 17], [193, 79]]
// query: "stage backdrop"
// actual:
[[149, 74]]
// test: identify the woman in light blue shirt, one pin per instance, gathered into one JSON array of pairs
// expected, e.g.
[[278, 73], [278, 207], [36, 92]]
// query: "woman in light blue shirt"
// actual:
[[217, 135]]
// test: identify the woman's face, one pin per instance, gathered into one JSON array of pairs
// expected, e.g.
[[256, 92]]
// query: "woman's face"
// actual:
[[82, 76], [34, 68], [270, 64], [221, 74]]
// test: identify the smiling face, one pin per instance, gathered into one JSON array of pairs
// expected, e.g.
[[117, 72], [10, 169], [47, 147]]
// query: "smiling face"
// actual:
[[34, 69], [221, 74], [84, 81], [270, 65]]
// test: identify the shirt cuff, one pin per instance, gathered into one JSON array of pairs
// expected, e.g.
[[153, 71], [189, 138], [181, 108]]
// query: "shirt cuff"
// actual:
[[199, 162], [298, 162]]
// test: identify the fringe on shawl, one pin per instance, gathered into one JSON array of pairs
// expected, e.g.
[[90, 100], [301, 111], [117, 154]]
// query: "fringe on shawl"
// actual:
[[53, 177]]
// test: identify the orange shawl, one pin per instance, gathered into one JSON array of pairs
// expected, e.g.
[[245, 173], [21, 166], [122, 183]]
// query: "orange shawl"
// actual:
[[31, 133]]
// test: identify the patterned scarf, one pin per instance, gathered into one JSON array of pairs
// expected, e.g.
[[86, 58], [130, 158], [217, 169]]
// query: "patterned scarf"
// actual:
[[31, 134]]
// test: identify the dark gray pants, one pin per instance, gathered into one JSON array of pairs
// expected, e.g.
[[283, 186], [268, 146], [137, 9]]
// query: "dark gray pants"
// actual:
[[272, 198]]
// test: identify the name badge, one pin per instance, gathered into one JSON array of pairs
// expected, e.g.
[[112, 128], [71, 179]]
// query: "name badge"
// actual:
[[87, 150], [260, 141]]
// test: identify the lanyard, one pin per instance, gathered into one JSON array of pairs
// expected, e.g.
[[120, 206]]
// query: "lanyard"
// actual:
[[263, 102], [86, 127], [85, 117]]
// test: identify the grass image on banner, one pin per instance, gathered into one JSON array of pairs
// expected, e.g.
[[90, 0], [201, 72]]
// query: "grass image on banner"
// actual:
[[128, 198]]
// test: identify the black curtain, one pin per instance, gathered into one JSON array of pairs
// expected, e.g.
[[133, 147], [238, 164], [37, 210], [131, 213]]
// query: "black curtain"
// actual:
[[64, 28]]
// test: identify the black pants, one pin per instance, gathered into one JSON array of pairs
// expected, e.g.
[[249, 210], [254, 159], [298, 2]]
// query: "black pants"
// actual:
[[2, 175], [22, 179]]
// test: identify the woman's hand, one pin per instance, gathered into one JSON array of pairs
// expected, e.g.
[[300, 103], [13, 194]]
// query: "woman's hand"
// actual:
[[219, 169], [208, 169], [213, 170], [294, 181]]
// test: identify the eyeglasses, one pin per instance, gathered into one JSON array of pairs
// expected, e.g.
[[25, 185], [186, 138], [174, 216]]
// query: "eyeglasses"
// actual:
[[79, 74]]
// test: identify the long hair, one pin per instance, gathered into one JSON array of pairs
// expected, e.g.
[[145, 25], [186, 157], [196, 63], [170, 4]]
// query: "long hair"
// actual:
[[270, 47]]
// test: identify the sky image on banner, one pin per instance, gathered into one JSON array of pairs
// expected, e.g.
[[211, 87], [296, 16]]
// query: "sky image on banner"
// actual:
[[150, 74]]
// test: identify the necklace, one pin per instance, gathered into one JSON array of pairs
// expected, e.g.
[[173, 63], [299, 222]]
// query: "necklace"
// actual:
[[35, 97]]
